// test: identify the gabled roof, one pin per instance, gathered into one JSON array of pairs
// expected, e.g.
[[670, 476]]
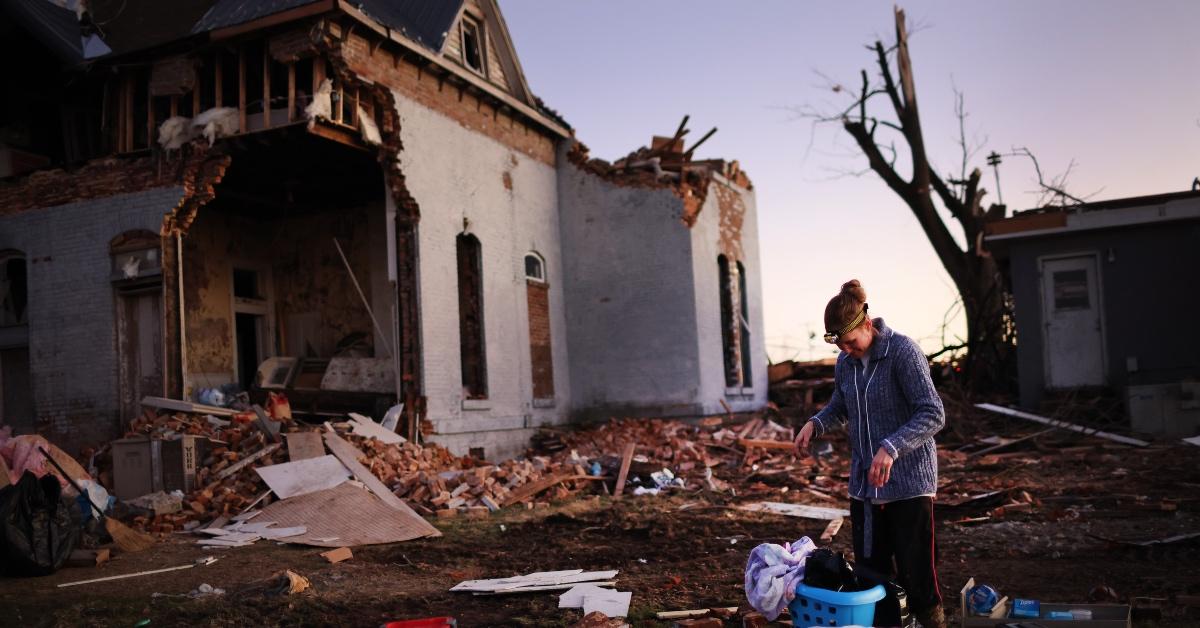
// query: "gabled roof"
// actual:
[[132, 25], [426, 22], [56, 27]]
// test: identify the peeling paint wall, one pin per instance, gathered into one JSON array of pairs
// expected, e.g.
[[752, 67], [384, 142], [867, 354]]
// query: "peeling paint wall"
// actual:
[[510, 202], [728, 224], [73, 358], [310, 292]]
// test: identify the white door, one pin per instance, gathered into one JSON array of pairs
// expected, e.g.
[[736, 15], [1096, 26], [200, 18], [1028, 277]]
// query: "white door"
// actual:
[[1074, 338]]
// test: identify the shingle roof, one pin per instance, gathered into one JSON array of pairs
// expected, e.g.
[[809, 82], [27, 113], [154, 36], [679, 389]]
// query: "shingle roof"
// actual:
[[423, 21]]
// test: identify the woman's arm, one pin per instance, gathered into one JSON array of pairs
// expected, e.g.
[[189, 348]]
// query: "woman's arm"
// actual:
[[928, 416]]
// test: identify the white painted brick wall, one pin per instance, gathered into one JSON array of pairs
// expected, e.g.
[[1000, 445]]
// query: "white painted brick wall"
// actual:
[[705, 247], [455, 173], [72, 335], [630, 298]]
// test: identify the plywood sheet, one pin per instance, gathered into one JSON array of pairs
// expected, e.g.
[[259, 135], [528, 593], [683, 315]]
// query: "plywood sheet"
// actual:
[[343, 516], [304, 476]]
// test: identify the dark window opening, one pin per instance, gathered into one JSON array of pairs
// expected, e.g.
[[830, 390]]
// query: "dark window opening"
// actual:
[[534, 268], [279, 85], [744, 327], [249, 327], [141, 109], [246, 284], [472, 44], [304, 79], [1071, 290], [728, 325], [470, 317], [229, 79], [14, 291], [253, 58]]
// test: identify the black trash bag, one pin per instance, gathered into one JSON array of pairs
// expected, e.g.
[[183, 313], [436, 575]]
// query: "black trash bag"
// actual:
[[826, 570], [39, 527], [892, 610]]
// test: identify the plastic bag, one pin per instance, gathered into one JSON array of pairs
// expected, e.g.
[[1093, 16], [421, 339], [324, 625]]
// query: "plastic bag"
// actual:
[[39, 526], [827, 570]]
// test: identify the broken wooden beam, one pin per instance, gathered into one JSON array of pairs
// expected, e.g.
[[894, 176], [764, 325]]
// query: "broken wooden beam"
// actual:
[[766, 444], [1061, 424], [245, 462], [626, 460]]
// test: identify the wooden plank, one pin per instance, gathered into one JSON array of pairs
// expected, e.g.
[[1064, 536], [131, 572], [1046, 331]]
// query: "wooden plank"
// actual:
[[291, 103], [266, 89], [244, 462], [304, 445], [305, 476], [266, 424], [626, 460], [349, 454], [525, 491], [174, 105], [318, 74], [700, 612], [570, 577], [766, 444], [831, 530], [546, 587], [186, 406], [338, 555], [219, 100], [196, 98], [1007, 443], [4, 473], [797, 510], [208, 560], [1061, 424], [242, 89], [273, 19]]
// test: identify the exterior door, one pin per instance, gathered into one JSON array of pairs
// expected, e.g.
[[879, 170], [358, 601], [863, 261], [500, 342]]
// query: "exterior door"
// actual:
[[139, 332], [1073, 329]]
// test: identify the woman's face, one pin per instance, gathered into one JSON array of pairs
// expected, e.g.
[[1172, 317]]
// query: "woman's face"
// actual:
[[858, 340]]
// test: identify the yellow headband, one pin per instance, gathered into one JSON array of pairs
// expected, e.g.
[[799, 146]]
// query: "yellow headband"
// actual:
[[832, 337]]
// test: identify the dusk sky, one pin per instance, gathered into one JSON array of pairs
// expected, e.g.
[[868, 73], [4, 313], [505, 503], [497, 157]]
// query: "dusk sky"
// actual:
[[1110, 85]]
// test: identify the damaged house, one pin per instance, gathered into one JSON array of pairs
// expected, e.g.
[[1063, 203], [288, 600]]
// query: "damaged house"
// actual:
[[357, 203]]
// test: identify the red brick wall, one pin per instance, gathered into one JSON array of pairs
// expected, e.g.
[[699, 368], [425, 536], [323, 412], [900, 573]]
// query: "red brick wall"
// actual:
[[97, 179], [541, 357], [452, 101]]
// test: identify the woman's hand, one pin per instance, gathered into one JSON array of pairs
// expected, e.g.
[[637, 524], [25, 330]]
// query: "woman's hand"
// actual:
[[881, 469], [802, 439]]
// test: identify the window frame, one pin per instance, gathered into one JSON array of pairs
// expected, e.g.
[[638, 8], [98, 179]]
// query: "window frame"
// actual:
[[477, 24]]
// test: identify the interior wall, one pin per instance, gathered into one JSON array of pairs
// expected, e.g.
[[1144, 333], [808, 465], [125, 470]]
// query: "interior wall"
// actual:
[[312, 303]]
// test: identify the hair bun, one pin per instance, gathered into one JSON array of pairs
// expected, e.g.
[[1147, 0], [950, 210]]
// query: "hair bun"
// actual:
[[855, 289]]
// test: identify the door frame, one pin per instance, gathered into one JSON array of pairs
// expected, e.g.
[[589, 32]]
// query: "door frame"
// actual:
[[1045, 313], [264, 307]]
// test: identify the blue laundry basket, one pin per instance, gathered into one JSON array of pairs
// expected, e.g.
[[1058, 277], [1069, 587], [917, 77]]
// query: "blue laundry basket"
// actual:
[[822, 607]]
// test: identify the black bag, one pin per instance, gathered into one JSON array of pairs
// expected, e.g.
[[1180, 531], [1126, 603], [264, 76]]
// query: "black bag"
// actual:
[[39, 527], [826, 570]]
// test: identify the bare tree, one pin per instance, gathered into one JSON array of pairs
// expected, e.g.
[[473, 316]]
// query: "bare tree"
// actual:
[[990, 337]]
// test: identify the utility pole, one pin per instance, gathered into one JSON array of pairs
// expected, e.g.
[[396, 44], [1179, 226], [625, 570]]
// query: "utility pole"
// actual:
[[993, 160]]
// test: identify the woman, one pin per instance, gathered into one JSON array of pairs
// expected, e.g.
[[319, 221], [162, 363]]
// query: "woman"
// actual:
[[884, 394]]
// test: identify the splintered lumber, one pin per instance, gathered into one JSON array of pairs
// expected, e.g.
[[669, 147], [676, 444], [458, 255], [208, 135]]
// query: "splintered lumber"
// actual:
[[1061, 424], [626, 460], [186, 406], [243, 463], [304, 445], [831, 530], [766, 444], [526, 491], [518, 584], [349, 454], [797, 510]]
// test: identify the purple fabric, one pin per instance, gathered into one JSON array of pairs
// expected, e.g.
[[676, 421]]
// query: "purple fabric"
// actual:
[[772, 573]]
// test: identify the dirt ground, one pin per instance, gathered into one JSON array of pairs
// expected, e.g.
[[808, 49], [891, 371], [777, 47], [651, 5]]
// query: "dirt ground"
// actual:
[[683, 551]]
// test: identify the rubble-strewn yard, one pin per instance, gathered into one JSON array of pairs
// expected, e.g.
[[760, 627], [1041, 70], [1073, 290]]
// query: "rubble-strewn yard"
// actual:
[[1053, 517]]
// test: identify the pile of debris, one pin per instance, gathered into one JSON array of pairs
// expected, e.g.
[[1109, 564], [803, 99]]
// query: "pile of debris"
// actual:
[[800, 389]]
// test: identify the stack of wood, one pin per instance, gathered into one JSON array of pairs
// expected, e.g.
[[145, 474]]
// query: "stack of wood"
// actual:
[[799, 389]]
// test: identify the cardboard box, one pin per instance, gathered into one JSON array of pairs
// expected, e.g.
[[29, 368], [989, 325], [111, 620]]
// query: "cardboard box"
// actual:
[[1103, 615], [142, 465]]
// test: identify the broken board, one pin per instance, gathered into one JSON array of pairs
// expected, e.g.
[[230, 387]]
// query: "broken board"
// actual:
[[186, 406], [304, 476], [528, 582], [345, 515], [304, 445], [797, 510], [349, 454], [364, 426]]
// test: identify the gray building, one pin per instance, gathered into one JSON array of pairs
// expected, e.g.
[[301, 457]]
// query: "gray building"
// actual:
[[1103, 293], [170, 200]]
